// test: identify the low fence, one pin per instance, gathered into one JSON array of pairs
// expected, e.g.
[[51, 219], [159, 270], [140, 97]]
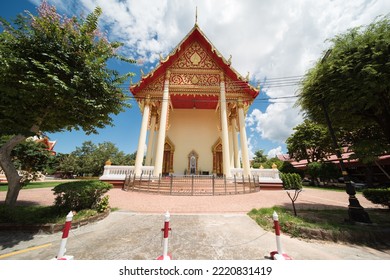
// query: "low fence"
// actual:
[[192, 184]]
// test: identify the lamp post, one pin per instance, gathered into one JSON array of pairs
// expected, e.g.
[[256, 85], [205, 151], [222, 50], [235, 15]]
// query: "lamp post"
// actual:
[[355, 211]]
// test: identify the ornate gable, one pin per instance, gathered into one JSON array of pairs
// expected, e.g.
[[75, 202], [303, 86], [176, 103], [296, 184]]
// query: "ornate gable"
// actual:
[[196, 68], [195, 57]]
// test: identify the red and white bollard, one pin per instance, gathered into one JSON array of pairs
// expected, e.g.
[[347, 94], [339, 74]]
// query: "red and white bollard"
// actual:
[[278, 255], [61, 253], [166, 229]]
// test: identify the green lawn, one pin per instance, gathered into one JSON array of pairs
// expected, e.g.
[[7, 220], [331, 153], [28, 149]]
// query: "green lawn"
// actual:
[[33, 185], [30, 215], [330, 224]]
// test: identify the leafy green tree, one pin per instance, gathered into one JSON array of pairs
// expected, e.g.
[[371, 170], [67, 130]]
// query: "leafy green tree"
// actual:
[[314, 170], [54, 77], [287, 167], [29, 157], [310, 141], [328, 171], [90, 158], [271, 161], [68, 166], [259, 159], [352, 81]]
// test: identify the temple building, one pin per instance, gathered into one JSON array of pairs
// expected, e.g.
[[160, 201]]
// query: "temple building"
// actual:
[[193, 107]]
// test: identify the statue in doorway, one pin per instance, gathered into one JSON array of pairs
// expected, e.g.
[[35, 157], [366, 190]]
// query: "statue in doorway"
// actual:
[[192, 165]]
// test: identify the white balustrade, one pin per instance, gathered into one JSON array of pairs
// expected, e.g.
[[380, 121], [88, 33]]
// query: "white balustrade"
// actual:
[[264, 175], [119, 172]]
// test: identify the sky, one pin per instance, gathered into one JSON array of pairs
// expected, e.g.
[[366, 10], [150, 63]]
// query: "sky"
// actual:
[[276, 41]]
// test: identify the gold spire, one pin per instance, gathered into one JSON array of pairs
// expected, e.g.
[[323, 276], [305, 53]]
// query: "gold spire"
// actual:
[[196, 16]]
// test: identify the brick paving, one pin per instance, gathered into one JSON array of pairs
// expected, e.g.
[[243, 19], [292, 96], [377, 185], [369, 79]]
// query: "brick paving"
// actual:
[[140, 202]]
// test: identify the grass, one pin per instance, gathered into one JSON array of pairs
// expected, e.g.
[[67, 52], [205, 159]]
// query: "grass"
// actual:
[[327, 188], [33, 185], [30, 215], [327, 224]]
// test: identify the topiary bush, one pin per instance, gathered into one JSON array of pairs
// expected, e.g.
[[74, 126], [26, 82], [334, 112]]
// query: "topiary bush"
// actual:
[[81, 195], [378, 196], [292, 181]]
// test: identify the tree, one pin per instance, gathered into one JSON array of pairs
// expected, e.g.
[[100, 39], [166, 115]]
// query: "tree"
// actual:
[[314, 170], [54, 77], [328, 171], [325, 171], [90, 158], [29, 158], [259, 159], [287, 167], [67, 166], [310, 141], [273, 161], [352, 82]]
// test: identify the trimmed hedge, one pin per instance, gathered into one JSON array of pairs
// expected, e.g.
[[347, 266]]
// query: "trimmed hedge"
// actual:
[[378, 196], [81, 195], [291, 181]]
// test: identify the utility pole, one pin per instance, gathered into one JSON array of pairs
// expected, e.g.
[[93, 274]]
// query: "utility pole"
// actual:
[[355, 211]]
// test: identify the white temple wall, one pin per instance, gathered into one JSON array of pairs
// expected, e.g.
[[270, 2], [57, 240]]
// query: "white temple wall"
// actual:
[[193, 129]]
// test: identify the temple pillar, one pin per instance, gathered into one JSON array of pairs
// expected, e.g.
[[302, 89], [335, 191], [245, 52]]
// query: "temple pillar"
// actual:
[[163, 124], [231, 147], [225, 136], [149, 151], [243, 139], [235, 143], [142, 137]]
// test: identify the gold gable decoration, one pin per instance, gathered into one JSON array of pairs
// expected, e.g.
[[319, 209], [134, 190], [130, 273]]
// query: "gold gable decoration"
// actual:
[[194, 56], [157, 85]]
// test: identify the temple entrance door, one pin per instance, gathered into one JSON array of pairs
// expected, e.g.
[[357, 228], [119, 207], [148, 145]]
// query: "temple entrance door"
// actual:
[[217, 158], [166, 163], [219, 165], [169, 150]]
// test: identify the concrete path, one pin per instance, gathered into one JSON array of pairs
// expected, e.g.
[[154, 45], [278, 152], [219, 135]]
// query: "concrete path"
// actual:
[[215, 228]]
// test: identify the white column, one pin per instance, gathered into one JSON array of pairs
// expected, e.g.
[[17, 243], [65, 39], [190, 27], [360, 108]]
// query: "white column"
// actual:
[[225, 137], [154, 151], [243, 139], [149, 152], [161, 135], [142, 138], [231, 148], [235, 143]]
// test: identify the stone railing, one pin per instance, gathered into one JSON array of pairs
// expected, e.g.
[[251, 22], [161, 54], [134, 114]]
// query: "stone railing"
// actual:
[[119, 172], [263, 174]]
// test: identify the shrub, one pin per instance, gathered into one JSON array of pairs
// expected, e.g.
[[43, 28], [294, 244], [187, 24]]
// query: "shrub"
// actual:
[[81, 195], [378, 196], [291, 181]]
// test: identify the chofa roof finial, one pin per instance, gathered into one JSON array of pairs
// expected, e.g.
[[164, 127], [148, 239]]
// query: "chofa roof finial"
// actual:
[[196, 15]]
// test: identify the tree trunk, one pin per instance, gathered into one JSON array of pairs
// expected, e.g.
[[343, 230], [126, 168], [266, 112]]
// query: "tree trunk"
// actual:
[[369, 176], [13, 178]]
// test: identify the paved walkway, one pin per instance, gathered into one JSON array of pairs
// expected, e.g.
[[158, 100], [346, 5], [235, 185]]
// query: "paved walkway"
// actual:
[[203, 228], [152, 203]]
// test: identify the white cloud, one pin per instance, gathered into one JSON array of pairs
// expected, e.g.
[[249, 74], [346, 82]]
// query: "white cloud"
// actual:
[[274, 152], [270, 39], [275, 123]]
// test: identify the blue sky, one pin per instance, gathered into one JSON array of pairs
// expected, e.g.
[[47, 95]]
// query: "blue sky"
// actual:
[[275, 41]]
